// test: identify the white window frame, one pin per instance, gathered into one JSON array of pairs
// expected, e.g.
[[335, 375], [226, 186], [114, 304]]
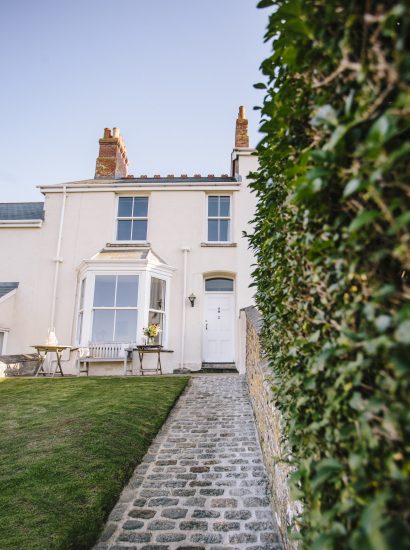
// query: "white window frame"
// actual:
[[132, 218], [162, 337], [80, 310], [3, 347], [115, 308], [229, 218]]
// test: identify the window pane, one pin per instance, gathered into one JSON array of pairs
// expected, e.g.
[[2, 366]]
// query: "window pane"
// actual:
[[224, 206], [127, 291], [223, 230], [104, 291], [213, 206], [125, 207], [126, 325], [1, 342], [157, 319], [157, 299], [212, 230], [140, 207], [103, 325], [124, 230], [139, 230], [219, 285]]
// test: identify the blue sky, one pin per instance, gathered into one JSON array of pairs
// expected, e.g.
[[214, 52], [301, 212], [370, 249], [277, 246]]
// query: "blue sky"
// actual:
[[169, 73]]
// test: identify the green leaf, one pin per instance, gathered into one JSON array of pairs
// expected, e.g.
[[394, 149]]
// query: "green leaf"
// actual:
[[352, 187], [382, 322], [260, 86], [326, 469], [265, 3], [402, 333], [364, 218]]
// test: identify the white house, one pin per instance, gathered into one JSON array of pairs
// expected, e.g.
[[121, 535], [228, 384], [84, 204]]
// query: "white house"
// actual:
[[102, 258]]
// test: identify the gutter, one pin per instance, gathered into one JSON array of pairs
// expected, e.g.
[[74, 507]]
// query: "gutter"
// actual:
[[185, 251], [58, 260]]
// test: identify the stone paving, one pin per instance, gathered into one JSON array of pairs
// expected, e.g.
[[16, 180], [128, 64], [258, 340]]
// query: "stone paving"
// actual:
[[202, 483]]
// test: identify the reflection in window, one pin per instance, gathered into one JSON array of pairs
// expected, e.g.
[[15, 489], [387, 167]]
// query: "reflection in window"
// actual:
[[219, 285], [132, 219], [115, 308], [157, 307], [219, 212]]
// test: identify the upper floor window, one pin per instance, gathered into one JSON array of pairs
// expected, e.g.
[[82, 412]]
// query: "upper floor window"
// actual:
[[219, 219], [132, 219]]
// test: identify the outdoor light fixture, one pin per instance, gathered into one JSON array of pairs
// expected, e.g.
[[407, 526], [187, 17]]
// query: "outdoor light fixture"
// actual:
[[192, 299]]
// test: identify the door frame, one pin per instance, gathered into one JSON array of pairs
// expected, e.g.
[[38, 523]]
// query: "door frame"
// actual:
[[231, 277]]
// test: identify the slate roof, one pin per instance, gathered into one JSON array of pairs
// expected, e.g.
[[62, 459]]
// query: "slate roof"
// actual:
[[21, 210], [5, 288], [150, 180]]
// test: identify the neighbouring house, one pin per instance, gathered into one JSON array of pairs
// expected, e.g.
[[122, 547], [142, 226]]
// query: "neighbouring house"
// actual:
[[102, 258]]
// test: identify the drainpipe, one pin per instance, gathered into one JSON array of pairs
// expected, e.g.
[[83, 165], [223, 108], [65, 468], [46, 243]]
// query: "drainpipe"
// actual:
[[58, 260], [185, 251]]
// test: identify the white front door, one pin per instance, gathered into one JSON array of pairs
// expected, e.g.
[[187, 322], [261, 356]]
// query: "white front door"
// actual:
[[218, 327]]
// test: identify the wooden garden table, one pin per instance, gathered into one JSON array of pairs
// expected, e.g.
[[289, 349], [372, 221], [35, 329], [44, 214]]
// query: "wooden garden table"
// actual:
[[142, 350], [42, 351]]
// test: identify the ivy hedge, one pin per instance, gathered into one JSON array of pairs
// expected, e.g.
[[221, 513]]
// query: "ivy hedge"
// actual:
[[332, 245]]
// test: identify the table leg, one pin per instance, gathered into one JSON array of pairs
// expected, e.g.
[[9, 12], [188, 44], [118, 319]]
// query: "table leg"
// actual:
[[58, 364], [141, 356], [40, 370]]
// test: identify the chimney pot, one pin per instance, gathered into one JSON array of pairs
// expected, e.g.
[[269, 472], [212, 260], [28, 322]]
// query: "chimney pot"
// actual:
[[242, 112], [157, 176], [116, 132], [107, 133], [197, 176]]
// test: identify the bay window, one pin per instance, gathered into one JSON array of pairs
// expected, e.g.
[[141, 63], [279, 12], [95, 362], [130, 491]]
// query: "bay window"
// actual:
[[115, 308]]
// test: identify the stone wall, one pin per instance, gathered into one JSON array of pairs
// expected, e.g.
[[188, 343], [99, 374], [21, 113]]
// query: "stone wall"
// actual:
[[268, 422]]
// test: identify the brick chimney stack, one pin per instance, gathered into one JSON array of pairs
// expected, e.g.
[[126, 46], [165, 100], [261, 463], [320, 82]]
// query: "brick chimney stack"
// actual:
[[241, 131], [112, 161]]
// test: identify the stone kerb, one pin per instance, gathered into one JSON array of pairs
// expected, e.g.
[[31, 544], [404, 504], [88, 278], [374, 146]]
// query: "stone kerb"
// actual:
[[269, 426]]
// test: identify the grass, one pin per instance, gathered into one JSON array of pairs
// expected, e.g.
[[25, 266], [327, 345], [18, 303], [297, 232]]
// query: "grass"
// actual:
[[67, 447]]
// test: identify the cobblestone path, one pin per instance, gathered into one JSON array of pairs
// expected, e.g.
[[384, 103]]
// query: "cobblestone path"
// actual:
[[202, 483]]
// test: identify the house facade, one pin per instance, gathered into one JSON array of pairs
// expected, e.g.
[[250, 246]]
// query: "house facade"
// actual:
[[103, 258]]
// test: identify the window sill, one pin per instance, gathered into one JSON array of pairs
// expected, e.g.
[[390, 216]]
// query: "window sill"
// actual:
[[128, 244], [219, 245]]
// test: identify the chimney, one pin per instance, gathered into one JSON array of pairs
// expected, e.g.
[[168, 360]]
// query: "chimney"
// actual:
[[241, 131], [112, 161]]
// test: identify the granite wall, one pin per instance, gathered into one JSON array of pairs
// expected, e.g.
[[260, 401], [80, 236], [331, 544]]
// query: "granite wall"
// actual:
[[269, 425]]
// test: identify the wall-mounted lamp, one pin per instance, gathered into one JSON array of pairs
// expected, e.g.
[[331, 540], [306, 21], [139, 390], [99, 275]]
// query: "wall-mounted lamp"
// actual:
[[192, 299]]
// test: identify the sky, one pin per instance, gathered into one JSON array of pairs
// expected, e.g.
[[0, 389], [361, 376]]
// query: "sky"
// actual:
[[170, 74]]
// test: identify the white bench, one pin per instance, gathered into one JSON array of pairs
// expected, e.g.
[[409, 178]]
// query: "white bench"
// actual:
[[109, 352]]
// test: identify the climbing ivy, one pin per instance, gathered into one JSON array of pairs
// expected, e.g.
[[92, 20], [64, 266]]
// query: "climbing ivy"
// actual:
[[331, 238]]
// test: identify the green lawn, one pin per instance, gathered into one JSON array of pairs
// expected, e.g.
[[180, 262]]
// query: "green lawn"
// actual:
[[67, 447]]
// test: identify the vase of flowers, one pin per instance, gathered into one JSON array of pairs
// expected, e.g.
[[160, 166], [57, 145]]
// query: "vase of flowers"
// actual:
[[150, 333]]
